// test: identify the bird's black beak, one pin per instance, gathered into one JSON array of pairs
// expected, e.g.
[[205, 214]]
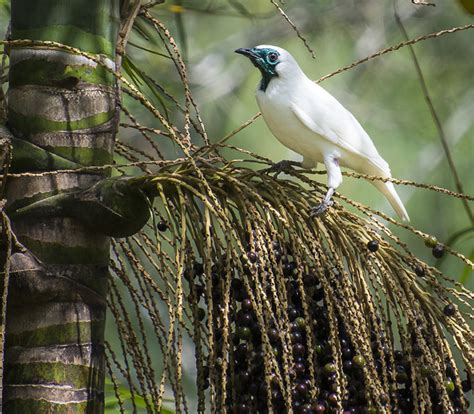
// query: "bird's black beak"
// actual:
[[248, 52]]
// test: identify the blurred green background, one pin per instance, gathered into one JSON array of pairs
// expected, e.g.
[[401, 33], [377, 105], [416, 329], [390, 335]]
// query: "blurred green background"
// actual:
[[384, 95]]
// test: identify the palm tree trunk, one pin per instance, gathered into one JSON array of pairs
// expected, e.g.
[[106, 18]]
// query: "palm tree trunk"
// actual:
[[64, 104]]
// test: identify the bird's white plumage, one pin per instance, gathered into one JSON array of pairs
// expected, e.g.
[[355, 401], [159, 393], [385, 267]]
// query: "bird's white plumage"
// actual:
[[310, 121]]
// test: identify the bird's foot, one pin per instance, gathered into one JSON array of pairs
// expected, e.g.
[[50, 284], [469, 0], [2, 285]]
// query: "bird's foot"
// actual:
[[284, 166], [320, 208]]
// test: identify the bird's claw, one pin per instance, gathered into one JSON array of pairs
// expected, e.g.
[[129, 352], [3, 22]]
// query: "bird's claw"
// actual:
[[320, 208], [284, 166]]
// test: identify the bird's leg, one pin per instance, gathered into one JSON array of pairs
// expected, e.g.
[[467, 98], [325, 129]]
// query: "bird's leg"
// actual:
[[334, 180], [324, 205], [281, 166]]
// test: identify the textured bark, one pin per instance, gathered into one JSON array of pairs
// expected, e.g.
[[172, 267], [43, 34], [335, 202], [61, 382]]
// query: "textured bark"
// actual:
[[65, 106]]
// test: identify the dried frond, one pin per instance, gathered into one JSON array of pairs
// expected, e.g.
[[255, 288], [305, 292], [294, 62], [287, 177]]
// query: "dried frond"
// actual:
[[334, 309]]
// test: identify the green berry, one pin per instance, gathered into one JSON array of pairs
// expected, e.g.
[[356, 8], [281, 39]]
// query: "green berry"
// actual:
[[430, 241], [449, 385], [244, 333], [330, 368], [358, 360], [300, 322]]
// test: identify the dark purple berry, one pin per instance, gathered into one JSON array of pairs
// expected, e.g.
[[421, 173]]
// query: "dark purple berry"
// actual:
[[288, 269], [419, 271], [237, 284], [300, 369], [402, 377], [332, 378], [252, 257], [162, 225], [438, 251], [243, 408], [296, 336], [278, 255], [332, 399], [310, 280], [466, 385], [400, 368], [449, 310], [299, 350], [319, 408], [344, 342], [198, 268], [201, 314], [241, 295], [273, 335], [318, 295], [245, 377], [398, 355], [450, 371], [292, 313], [276, 395], [302, 388], [306, 409], [346, 353], [246, 305], [241, 351], [294, 327], [373, 245], [347, 365], [244, 319], [417, 351], [199, 289]]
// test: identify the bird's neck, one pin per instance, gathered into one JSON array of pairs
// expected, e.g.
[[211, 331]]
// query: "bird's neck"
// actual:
[[266, 78]]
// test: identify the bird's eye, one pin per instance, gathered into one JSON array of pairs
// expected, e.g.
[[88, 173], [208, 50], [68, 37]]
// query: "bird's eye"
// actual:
[[272, 57]]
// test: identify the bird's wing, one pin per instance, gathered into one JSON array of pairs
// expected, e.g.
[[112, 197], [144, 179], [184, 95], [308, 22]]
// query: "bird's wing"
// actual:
[[321, 113]]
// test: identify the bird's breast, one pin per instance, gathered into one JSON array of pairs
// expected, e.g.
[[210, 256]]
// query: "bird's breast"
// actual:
[[285, 126]]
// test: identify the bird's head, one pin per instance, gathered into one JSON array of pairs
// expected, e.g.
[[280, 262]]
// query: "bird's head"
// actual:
[[272, 61]]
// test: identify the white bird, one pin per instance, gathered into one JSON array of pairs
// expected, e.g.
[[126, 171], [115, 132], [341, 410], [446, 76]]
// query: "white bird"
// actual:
[[310, 121]]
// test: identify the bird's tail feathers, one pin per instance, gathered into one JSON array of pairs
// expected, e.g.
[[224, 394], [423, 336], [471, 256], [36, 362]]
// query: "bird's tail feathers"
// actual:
[[388, 190]]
